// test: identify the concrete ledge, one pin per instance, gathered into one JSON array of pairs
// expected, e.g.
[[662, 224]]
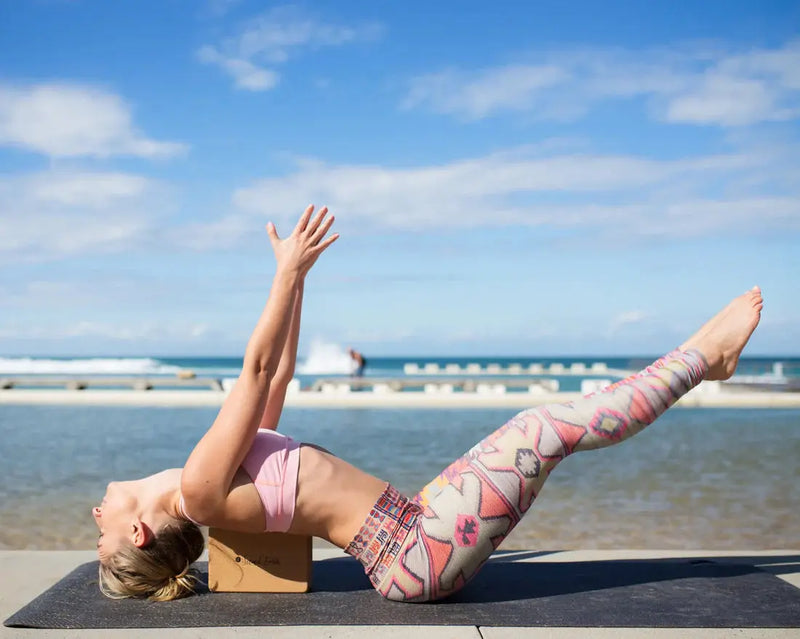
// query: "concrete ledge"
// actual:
[[27, 573], [306, 399]]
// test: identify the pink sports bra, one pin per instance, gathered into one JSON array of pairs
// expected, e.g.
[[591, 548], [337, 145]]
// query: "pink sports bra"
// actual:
[[273, 464]]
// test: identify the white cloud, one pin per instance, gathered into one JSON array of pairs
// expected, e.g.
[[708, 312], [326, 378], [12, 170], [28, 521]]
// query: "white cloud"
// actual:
[[115, 331], [722, 100], [477, 95], [743, 89], [246, 75], [623, 196], [43, 294], [222, 233], [55, 214], [627, 318], [92, 190], [274, 37], [219, 8], [70, 120], [689, 84]]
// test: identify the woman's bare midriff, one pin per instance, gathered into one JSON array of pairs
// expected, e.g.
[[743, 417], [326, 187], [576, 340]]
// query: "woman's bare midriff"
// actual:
[[333, 497]]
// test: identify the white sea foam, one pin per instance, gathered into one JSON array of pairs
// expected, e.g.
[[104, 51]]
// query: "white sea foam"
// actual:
[[87, 366], [325, 358]]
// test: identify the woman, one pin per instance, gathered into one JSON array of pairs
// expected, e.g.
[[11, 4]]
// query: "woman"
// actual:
[[244, 476]]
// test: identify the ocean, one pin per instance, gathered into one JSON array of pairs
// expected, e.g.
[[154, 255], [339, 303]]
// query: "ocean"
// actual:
[[696, 479], [331, 360]]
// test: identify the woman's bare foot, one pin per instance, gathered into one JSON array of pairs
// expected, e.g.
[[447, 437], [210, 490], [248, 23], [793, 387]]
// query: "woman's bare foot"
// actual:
[[722, 338]]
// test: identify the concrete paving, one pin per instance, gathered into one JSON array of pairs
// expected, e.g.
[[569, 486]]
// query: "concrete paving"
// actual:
[[26, 574]]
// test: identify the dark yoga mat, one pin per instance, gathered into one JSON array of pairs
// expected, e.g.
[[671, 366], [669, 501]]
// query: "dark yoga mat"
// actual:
[[641, 593]]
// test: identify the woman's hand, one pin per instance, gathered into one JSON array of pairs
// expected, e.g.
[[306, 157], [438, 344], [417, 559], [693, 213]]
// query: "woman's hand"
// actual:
[[300, 250]]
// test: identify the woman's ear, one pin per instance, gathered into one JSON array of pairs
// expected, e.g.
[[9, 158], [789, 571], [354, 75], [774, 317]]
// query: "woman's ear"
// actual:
[[141, 535]]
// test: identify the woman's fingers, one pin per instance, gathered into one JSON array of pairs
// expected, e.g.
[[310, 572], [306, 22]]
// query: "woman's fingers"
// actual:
[[314, 224], [307, 241], [323, 245], [322, 230], [303, 221], [272, 232]]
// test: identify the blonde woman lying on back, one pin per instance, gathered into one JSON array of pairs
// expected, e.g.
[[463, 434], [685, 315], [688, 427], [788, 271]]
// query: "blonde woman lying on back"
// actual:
[[243, 475]]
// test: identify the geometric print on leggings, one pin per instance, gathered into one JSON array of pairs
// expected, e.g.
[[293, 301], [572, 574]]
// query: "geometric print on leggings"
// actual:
[[472, 506]]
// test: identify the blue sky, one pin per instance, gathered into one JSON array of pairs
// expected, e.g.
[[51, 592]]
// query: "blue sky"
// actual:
[[508, 178]]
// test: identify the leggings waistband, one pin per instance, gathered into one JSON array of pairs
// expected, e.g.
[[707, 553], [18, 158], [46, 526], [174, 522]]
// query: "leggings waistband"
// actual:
[[383, 532]]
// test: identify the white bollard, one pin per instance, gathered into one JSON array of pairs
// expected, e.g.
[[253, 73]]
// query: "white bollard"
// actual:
[[544, 386], [411, 368], [551, 384], [490, 389], [589, 386], [438, 389], [335, 388]]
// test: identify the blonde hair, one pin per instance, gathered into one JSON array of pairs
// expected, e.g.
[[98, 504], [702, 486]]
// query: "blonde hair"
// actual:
[[158, 571]]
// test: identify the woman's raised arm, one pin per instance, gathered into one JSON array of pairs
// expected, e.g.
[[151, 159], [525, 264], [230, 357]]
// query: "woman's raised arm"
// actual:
[[209, 471], [285, 371]]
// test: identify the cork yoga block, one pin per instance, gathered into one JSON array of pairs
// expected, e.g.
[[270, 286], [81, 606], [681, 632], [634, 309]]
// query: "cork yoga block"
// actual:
[[260, 562]]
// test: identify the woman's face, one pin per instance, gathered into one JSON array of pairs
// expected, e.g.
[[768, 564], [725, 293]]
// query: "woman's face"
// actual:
[[129, 507], [115, 516]]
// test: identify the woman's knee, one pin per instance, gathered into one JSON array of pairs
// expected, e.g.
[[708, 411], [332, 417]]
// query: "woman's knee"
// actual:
[[395, 594]]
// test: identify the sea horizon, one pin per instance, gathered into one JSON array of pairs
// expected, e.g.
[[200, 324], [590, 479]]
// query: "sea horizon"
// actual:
[[333, 360], [410, 355]]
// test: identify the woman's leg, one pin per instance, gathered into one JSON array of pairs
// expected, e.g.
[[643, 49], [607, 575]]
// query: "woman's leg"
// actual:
[[467, 511]]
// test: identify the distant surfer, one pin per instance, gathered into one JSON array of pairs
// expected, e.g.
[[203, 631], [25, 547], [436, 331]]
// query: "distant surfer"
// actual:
[[359, 361]]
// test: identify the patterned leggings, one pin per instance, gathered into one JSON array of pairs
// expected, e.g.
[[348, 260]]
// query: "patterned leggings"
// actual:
[[430, 546]]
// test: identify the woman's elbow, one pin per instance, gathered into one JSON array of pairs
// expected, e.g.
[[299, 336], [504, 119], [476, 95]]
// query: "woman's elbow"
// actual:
[[255, 378], [263, 366], [282, 378]]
